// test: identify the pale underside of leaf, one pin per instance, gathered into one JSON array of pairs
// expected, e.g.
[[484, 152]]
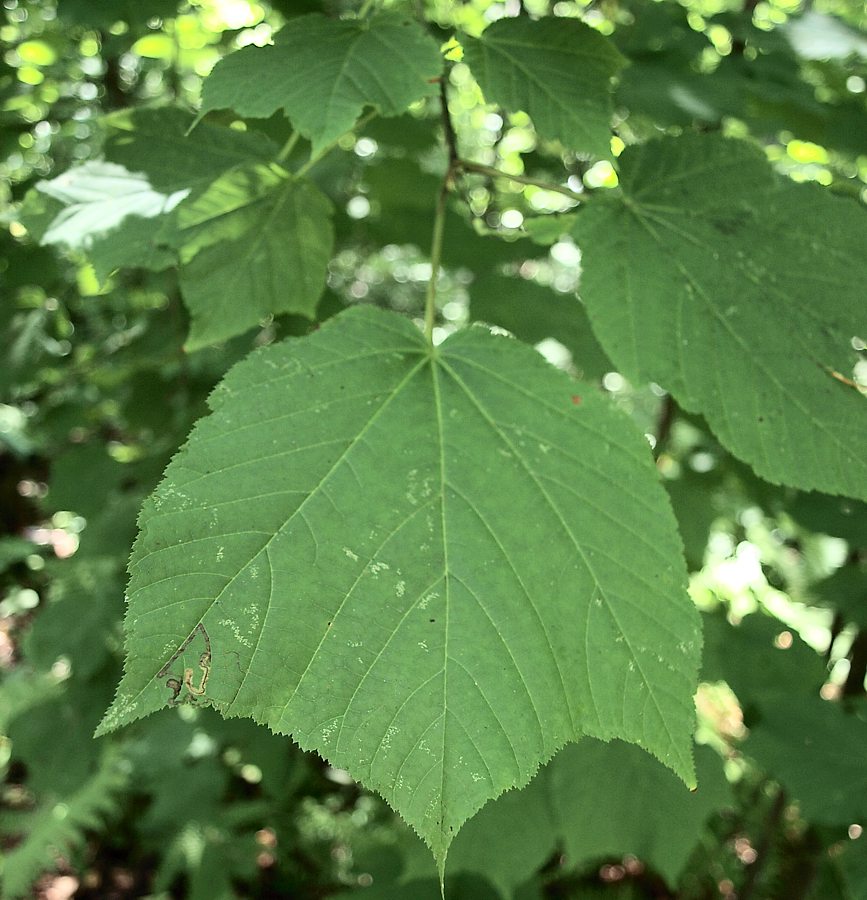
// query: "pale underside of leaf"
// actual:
[[98, 197], [433, 567], [741, 295]]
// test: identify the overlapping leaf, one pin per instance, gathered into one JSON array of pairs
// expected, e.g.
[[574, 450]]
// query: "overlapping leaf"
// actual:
[[250, 236], [123, 211], [324, 72], [557, 70], [533, 312], [96, 198], [591, 802], [433, 567], [741, 294], [159, 143]]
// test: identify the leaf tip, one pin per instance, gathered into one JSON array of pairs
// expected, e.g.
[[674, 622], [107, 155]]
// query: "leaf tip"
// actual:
[[441, 870]]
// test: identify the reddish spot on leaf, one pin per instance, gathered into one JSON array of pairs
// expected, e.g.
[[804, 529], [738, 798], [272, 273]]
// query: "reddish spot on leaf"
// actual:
[[576, 399]]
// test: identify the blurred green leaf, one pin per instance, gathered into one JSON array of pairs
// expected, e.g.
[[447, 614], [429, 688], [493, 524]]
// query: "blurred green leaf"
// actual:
[[324, 72], [255, 243], [815, 749], [557, 70], [533, 312]]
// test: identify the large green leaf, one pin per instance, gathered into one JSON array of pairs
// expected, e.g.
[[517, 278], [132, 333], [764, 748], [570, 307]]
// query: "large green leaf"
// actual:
[[740, 293], [252, 233], [433, 567], [557, 70], [324, 72]]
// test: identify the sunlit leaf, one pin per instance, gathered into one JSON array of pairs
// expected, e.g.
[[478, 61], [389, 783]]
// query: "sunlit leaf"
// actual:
[[557, 70], [324, 72], [95, 198]]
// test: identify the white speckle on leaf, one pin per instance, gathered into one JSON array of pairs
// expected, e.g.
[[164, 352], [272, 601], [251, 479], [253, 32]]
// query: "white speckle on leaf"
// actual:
[[400, 588], [423, 603], [350, 554], [391, 732], [411, 487], [236, 631]]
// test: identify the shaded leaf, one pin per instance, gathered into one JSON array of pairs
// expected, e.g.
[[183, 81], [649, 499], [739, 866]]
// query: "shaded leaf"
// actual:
[[96, 13], [739, 293], [593, 801], [846, 593], [157, 143], [756, 666], [249, 237], [557, 70], [349, 510], [324, 72], [613, 800], [696, 506], [534, 312], [838, 516], [817, 751]]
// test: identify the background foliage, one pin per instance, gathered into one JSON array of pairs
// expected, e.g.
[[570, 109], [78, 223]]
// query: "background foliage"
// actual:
[[142, 259]]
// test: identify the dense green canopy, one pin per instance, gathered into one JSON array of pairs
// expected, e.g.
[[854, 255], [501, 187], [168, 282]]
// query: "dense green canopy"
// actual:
[[431, 448]]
